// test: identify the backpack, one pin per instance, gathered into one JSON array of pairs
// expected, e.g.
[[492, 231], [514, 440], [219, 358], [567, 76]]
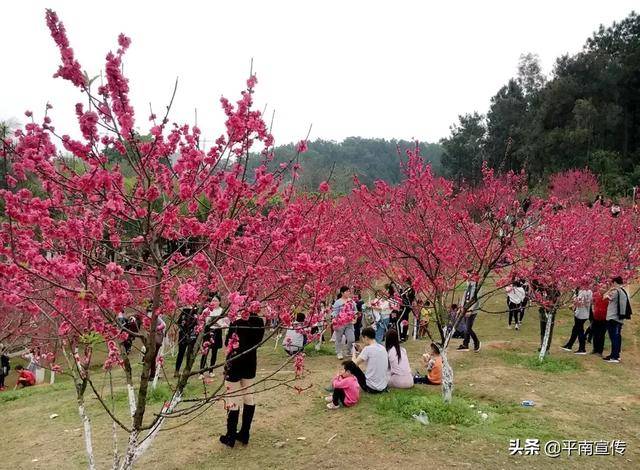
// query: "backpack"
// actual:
[[627, 312]]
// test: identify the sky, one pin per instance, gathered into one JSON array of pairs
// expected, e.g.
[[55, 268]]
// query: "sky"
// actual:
[[390, 69]]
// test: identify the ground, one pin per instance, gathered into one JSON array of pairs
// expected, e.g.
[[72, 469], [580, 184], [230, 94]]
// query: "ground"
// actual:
[[576, 397]]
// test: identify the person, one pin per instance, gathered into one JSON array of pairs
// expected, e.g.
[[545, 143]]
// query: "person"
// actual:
[[187, 322], [214, 323], [359, 303], [523, 305], [244, 337], [423, 319], [400, 375], [393, 303], [295, 339], [5, 367], [343, 305], [31, 357], [582, 300], [456, 321], [472, 305], [618, 299], [408, 296], [599, 322], [375, 378], [515, 297], [346, 391], [26, 378], [433, 362], [382, 315], [158, 337]]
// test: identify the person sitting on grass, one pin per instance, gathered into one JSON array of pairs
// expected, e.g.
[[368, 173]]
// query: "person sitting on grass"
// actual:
[[25, 377], [375, 355], [399, 368], [433, 363], [346, 391]]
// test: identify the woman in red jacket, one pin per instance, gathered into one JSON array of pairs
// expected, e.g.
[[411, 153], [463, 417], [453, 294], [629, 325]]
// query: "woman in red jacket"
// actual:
[[599, 323]]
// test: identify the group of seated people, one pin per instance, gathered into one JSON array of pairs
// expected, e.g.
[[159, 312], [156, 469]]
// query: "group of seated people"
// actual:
[[386, 366]]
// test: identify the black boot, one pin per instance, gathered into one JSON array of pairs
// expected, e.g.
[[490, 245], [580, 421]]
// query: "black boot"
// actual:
[[232, 425], [247, 417]]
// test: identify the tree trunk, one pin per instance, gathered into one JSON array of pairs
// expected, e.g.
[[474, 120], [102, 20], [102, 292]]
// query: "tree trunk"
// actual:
[[546, 341], [447, 377], [86, 422], [132, 445], [153, 432]]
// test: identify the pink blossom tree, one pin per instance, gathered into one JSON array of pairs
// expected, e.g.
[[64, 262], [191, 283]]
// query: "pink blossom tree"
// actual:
[[440, 236], [141, 224]]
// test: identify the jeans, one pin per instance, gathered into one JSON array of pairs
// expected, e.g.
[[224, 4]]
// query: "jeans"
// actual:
[[615, 335], [598, 329], [470, 334], [381, 329], [577, 333], [348, 332]]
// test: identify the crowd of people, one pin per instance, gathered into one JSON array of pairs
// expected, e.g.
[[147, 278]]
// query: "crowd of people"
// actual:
[[372, 340]]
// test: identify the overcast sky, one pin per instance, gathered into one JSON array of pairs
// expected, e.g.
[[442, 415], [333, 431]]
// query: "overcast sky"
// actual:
[[400, 69]]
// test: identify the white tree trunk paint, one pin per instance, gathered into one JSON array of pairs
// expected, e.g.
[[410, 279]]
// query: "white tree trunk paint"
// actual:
[[86, 422], [153, 432], [547, 334]]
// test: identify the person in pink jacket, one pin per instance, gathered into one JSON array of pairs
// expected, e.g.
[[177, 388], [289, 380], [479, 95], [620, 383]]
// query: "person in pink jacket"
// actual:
[[346, 391]]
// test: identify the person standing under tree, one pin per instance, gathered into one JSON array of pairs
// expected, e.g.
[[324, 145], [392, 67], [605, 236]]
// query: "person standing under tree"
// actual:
[[408, 296], [471, 303], [582, 301], [344, 301], [213, 333], [187, 322], [515, 297], [243, 337], [599, 322], [619, 305]]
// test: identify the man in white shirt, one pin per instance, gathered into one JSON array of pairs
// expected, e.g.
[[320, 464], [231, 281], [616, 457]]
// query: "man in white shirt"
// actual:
[[375, 379]]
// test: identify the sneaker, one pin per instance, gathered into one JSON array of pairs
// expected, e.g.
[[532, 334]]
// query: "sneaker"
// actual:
[[564, 348], [331, 406], [201, 377], [340, 357], [517, 326], [477, 349], [462, 347], [606, 358], [613, 361], [328, 399], [212, 374], [580, 353]]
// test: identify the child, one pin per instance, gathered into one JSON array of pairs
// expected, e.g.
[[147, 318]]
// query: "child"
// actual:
[[26, 378], [433, 362], [346, 391]]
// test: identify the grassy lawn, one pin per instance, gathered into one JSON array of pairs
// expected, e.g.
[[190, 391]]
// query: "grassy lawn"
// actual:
[[577, 397]]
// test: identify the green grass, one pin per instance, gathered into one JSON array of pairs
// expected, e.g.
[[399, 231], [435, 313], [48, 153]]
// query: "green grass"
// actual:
[[325, 350], [402, 404], [550, 364], [505, 420]]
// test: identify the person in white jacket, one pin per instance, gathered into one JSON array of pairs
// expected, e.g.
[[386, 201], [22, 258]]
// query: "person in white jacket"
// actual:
[[515, 297]]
